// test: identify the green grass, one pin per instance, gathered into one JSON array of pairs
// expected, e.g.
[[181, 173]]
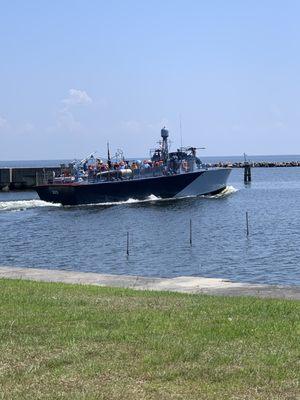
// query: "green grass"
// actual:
[[82, 342]]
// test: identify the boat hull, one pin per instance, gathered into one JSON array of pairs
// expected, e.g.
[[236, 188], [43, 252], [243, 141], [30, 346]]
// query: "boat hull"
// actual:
[[201, 182]]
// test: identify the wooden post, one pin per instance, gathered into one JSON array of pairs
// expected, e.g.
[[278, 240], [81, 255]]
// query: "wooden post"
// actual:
[[127, 250], [191, 238], [247, 223], [247, 172]]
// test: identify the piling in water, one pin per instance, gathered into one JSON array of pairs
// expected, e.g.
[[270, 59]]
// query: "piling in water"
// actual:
[[247, 172], [247, 223], [191, 237], [127, 248]]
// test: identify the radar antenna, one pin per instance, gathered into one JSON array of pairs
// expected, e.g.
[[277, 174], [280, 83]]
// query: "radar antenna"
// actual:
[[165, 144]]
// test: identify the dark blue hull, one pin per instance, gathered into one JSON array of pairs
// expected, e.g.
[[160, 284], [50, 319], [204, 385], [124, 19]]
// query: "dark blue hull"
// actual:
[[194, 183]]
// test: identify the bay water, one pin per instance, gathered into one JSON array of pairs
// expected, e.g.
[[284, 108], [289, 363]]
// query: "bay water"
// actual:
[[93, 238]]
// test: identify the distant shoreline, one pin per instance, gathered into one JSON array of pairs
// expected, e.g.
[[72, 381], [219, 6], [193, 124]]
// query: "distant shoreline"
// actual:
[[289, 158]]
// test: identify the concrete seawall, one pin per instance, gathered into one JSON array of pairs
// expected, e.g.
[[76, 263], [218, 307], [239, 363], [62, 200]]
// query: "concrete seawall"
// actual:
[[184, 284], [25, 178]]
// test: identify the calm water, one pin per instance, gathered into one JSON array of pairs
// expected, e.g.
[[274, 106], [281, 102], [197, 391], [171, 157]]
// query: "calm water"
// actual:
[[93, 238]]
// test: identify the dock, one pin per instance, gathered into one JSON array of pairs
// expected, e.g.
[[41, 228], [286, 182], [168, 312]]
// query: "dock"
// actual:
[[25, 178]]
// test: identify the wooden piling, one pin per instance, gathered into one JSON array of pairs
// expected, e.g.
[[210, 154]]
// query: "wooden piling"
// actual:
[[247, 172], [127, 248], [191, 233], [10, 175], [247, 223]]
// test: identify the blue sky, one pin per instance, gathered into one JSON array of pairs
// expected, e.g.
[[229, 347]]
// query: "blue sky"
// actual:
[[75, 74]]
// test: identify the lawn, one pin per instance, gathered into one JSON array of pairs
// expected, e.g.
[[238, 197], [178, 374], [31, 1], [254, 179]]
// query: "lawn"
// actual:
[[85, 342]]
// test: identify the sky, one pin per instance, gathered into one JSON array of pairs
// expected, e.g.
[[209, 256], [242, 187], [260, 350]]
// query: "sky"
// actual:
[[76, 74]]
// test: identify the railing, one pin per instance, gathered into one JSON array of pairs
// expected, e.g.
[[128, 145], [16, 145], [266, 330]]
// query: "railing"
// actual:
[[124, 174]]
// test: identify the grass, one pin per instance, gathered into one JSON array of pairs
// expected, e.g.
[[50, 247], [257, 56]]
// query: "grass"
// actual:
[[82, 342]]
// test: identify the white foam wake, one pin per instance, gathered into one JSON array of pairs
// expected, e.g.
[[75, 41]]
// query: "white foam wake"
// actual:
[[152, 197], [226, 192], [18, 205]]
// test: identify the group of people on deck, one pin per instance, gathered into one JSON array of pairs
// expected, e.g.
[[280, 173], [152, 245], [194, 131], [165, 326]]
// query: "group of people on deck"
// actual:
[[92, 167]]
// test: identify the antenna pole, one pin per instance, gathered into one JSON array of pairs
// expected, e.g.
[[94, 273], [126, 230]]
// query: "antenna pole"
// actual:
[[108, 156], [180, 132]]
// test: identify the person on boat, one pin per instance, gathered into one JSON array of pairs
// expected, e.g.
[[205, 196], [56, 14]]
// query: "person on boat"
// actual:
[[103, 167], [91, 160], [98, 164], [127, 165], [145, 164], [133, 166], [173, 166]]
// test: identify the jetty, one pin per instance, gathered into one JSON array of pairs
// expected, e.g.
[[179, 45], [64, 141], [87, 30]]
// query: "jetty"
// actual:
[[260, 164]]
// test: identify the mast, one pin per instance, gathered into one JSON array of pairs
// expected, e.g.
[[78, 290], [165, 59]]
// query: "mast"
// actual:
[[108, 156], [180, 132]]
